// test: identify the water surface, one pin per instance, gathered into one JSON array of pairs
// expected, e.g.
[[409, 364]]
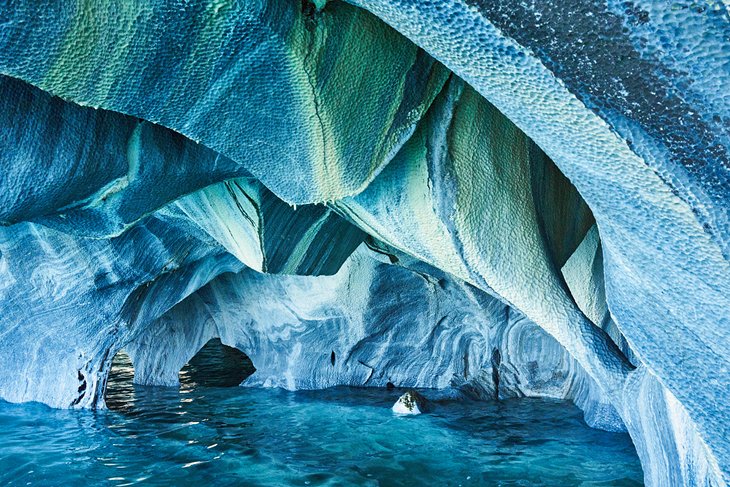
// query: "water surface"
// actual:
[[202, 435]]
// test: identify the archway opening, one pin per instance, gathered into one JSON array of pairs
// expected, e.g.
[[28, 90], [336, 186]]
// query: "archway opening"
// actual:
[[216, 365], [119, 389]]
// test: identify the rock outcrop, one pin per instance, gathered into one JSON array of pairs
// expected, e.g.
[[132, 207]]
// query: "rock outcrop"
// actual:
[[410, 403], [494, 199]]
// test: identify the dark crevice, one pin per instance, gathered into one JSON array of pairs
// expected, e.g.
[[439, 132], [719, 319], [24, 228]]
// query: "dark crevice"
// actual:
[[466, 364], [308, 8], [81, 390], [370, 375], [496, 361], [372, 245]]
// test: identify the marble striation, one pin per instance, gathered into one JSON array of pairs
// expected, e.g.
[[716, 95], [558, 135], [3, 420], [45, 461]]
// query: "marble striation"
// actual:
[[492, 199]]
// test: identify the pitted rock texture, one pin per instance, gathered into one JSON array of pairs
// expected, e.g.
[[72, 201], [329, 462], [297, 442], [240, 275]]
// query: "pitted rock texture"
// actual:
[[544, 214]]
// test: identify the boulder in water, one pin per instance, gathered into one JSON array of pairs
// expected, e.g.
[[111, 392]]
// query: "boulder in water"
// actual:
[[410, 403]]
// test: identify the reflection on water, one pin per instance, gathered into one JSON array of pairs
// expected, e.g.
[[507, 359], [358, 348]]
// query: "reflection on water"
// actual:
[[343, 436]]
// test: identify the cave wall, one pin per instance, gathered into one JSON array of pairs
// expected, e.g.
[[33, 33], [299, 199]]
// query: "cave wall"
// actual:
[[371, 324], [568, 159], [269, 84]]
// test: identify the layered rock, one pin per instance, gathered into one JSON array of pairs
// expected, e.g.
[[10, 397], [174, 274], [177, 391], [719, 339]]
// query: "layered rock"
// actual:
[[645, 144], [312, 103], [371, 324], [563, 191]]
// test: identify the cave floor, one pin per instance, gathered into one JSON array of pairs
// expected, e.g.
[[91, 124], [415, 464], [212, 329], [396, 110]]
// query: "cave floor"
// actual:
[[341, 436]]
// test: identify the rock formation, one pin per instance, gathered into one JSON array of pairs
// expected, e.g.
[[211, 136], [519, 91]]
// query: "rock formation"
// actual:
[[410, 403], [493, 199]]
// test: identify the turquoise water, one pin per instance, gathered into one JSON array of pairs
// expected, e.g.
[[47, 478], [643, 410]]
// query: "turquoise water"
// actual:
[[202, 435]]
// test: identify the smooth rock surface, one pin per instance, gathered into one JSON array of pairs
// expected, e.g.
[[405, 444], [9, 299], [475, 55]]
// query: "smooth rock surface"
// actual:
[[316, 332], [551, 215]]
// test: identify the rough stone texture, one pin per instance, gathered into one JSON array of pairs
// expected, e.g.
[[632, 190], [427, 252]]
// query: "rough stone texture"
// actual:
[[68, 300], [102, 171], [645, 144], [410, 403], [311, 103], [578, 177], [459, 197], [371, 324]]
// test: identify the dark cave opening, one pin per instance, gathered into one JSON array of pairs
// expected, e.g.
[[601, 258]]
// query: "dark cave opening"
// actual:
[[120, 383], [216, 365]]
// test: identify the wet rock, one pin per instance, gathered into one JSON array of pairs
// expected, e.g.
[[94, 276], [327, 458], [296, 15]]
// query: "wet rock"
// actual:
[[577, 198], [410, 403]]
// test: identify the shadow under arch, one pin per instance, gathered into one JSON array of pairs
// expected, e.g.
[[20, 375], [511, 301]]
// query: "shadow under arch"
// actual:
[[216, 365], [119, 390]]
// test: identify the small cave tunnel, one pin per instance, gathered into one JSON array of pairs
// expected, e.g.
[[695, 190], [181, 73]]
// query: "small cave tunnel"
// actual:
[[120, 383], [214, 365]]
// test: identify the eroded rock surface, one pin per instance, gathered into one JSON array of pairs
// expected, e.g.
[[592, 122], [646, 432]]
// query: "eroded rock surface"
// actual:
[[410, 403], [543, 214]]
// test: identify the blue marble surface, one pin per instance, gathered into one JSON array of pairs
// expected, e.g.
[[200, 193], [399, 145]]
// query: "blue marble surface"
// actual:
[[565, 162]]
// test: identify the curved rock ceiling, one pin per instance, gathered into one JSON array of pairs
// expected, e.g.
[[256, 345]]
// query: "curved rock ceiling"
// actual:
[[494, 199]]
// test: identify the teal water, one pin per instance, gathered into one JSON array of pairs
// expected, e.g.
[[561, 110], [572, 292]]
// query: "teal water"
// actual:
[[201, 435]]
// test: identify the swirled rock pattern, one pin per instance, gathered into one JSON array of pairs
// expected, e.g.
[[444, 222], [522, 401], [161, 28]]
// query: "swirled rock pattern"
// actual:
[[291, 93], [371, 324], [538, 193]]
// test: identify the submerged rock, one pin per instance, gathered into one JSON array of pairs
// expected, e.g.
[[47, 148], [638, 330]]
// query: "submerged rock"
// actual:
[[410, 403]]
